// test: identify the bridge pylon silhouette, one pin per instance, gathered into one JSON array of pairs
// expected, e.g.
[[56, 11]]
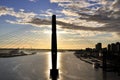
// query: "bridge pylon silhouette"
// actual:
[[54, 72]]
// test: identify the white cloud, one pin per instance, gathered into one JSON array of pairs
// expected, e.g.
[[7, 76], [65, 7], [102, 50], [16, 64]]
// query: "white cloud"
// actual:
[[49, 12], [22, 10], [4, 10], [32, 0], [54, 1], [69, 13], [23, 16]]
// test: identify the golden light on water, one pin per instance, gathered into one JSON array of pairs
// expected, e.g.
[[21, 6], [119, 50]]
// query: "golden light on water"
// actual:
[[59, 60], [50, 60]]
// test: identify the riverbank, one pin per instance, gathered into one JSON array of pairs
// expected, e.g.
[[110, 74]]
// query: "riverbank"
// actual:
[[14, 53], [91, 60]]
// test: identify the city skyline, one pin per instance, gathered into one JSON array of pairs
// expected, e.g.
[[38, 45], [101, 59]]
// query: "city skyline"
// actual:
[[80, 23]]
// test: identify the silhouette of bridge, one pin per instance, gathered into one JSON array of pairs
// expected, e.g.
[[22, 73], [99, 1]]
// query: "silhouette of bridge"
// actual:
[[54, 74]]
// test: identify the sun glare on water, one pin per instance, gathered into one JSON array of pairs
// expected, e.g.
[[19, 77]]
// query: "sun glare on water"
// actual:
[[50, 60]]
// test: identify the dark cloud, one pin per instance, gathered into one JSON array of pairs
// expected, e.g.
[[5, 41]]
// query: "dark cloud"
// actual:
[[38, 21], [101, 29], [2, 8], [107, 28], [118, 34]]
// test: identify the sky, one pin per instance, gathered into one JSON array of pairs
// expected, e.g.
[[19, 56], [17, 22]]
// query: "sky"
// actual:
[[80, 23]]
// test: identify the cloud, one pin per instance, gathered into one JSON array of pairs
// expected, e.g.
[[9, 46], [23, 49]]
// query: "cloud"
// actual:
[[56, 1], [118, 34], [39, 22], [103, 29], [36, 22], [32, 0], [49, 12], [21, 15], [31, 18], [102, 19], [65, 25], [69, 13], [108, 11], [3, 10], [105, 13]]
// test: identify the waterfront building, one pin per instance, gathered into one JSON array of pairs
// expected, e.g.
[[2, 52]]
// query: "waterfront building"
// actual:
[[98, 46], [113, 47], [109, 47], [117, 46]]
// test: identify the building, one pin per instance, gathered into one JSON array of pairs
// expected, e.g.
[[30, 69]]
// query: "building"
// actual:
[[109, 47], [114, 47], [118, 47], [98, 46]]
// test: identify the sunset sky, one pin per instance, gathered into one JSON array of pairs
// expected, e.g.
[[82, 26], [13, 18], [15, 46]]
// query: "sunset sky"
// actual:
[[80, 23]]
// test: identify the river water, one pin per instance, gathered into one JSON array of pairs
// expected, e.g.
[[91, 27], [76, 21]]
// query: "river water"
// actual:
[[37, 67]]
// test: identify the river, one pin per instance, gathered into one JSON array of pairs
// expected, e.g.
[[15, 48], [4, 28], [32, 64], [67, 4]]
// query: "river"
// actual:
[[37, 67]]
